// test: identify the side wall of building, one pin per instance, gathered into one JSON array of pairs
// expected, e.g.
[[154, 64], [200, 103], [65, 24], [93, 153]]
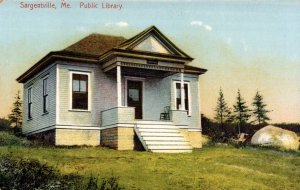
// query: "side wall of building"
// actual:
[[193, 119], [40, 121], [102, 89]]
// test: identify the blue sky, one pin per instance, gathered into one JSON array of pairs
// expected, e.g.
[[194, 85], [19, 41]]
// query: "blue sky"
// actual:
[[246, 45]]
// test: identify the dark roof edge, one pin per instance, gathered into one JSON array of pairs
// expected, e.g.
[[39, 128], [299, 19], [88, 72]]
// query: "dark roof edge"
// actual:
[[53, 56], [194, 70]]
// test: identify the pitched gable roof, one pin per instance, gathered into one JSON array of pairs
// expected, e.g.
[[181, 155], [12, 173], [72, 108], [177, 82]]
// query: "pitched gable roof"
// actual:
[[95, 44], [94, 47], [153, 31]]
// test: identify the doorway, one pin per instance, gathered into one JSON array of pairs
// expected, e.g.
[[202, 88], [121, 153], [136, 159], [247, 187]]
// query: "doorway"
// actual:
[[135, 97]]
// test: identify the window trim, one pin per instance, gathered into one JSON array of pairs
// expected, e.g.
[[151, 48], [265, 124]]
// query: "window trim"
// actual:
[[89, 89], [189, 110], [45, 95], [29, 103]]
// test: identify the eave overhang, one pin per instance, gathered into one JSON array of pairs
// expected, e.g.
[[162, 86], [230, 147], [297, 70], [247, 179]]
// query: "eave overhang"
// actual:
[[56, 56], [142, 54], [194, 70]]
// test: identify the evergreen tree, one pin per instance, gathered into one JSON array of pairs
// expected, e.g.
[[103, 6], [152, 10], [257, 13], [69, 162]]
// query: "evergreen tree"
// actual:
[[15, 117], [223, 113], [241, 111], [260, 111]]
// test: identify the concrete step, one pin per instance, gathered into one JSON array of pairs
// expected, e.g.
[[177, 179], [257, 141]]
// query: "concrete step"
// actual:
[[158, 130], [147, 134], [167, 143], [162, 136], [169, 147], [154, 138], [172, 151]]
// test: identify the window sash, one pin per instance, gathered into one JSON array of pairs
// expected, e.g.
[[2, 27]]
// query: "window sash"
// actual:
[[178, 96], [80, 91], [29, 114], [45, 95]]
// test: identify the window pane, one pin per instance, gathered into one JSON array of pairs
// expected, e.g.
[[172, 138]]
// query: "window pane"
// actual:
[[80, 91], [80, 100], [134, 94], [178, 96], [45, 104], [186, 95], [29, 95], [83, 86], [75, 85], [45, 89]]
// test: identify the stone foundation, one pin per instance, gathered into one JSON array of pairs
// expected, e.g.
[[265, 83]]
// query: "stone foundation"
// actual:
[[46, 137], [195, 137], [119, 138], [109, 138], [69, 137]]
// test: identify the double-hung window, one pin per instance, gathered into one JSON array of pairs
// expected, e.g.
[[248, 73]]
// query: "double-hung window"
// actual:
[[186, 96], [80, 91], [29, 103], [45, 95]]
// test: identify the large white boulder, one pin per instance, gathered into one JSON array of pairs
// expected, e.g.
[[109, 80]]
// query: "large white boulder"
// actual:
[[277, 137]]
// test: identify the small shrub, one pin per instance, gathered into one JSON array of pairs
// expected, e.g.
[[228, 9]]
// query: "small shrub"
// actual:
[[5, 125], [110, 183], [24, 173], [20, 173], [8, 139]]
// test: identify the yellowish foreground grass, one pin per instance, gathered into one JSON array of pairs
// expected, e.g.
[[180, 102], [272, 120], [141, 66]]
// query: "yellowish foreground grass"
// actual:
[[216, 167]]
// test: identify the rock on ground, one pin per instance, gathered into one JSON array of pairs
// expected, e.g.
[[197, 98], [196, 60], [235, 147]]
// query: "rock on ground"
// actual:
[[277, 137]]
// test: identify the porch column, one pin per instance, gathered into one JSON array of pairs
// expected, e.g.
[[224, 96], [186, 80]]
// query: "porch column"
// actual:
[[182, 95], [119, 95]]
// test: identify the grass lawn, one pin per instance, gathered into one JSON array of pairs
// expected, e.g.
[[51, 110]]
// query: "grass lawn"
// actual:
[[216, 167]]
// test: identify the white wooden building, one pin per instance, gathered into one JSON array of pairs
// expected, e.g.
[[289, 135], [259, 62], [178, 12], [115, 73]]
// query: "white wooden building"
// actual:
[[137, 93]]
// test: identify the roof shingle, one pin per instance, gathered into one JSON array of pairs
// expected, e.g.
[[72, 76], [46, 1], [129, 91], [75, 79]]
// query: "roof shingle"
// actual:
[[95, 44]]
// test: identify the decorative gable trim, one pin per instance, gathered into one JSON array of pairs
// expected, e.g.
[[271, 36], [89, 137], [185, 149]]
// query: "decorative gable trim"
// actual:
[[153, 31], [152, 44]]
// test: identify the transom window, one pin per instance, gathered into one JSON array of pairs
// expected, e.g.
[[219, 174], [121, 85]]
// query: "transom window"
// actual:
[[80, 91], [186, 96], [45, 95]]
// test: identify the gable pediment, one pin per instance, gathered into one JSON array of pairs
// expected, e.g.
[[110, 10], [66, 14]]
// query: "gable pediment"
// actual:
[[151, 44], [152, 40]]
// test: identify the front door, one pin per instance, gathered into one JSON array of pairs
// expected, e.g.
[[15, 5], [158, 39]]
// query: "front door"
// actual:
[[135, 97]]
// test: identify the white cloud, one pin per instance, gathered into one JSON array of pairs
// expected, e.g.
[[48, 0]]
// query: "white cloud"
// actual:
[[122, 24], [196, 22], [82, 29], [119, 24], [207, 27], [201, 24]]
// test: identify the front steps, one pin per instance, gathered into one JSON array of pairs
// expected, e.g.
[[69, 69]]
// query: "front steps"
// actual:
[[161, 136]]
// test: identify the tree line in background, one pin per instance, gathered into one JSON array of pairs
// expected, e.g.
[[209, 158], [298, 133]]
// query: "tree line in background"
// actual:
[[230, 122], [14, 121], [240, 113]]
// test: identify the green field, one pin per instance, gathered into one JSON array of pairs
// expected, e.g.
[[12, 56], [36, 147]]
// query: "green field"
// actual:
[[212, 167]]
